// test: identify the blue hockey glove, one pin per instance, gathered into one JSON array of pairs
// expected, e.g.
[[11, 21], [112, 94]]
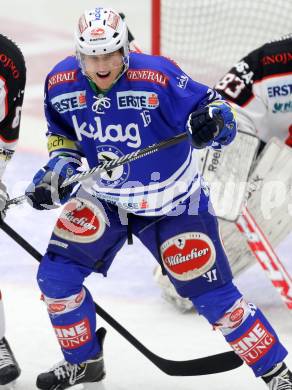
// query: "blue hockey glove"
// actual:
[[213, 125], [45, 191]]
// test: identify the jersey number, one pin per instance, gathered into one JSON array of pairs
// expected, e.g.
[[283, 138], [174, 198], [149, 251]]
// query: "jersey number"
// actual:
[[233, 90]]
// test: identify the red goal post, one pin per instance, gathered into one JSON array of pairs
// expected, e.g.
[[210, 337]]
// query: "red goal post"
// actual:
[[206, 37]]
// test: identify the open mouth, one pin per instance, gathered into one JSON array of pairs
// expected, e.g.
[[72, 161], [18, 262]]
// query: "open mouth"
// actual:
[[103, 75]]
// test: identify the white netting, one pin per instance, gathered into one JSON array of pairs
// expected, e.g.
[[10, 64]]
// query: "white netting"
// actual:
[[206, 37]]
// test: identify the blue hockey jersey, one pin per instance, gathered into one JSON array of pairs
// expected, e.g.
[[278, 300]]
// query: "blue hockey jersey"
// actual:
[[149, 103]]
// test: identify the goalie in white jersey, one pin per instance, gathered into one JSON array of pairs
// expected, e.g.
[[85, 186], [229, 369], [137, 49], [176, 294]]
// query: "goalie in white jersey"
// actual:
[[259, 87]]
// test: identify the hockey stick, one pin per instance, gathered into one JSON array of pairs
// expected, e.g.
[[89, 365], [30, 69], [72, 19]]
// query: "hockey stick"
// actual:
[[207, 365], [112, 164], [266, 256], [109, 165]]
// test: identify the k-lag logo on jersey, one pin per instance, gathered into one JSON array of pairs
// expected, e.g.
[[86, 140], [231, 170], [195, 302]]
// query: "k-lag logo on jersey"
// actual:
[[188, 256], [116, 176], [69, 101], [138, 100], [80, 221], [117, 132]]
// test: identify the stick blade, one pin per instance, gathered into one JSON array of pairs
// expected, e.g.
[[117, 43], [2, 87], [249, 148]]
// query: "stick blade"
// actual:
[[207, 365]]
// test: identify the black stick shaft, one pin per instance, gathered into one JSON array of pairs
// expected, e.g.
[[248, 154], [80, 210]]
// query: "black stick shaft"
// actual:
[[109, 165]]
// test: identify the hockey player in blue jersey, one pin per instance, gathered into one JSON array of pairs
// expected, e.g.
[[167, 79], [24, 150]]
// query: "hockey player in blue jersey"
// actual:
[[104, 103]]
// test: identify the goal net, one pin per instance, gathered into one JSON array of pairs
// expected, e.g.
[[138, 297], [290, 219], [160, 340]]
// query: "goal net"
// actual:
[[206, 37]]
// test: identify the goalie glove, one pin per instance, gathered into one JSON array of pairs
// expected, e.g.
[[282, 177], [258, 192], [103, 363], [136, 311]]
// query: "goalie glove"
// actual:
[[214, 125], [45, 191]]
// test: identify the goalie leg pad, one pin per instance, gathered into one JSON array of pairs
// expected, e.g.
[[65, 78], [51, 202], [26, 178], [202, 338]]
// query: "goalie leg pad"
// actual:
[[239, 254], [244, 327], [70, 307], [270, 202]]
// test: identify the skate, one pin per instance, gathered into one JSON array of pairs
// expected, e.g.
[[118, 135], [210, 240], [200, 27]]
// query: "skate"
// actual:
[[9, 369], [65, 374], [280, 378]]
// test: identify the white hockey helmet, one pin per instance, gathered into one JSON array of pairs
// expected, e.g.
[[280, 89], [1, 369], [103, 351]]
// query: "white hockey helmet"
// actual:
[[101, 31]]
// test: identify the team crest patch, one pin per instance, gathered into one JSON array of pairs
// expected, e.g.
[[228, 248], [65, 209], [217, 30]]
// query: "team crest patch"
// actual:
[[188, 256], [80, 221], [116, 176]]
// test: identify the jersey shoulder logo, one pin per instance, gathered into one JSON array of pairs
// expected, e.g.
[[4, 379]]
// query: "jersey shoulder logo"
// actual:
[[149, 75], [62, 77]]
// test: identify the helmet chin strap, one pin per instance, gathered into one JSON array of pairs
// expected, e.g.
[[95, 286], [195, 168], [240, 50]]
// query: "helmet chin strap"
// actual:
[[124, 68]]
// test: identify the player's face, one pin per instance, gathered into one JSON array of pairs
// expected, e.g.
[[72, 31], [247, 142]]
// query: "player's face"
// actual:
[[103, 69]]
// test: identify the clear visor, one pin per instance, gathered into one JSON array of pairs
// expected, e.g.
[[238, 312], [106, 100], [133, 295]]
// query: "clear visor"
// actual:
[[101, 63]]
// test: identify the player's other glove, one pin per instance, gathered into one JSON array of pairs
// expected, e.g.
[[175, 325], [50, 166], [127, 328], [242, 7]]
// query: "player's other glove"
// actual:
[[45, 191], [3, 199], [214, 125]]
